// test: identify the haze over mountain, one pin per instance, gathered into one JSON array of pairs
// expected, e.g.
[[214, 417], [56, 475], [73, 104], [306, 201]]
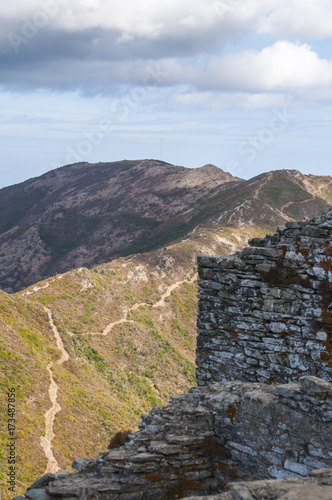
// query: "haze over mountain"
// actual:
[[86, 214]]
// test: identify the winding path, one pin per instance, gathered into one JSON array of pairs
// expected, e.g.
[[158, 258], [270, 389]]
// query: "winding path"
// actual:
[[268, 178], [46, 441], [295, 202], [49, 416], [160, 303]]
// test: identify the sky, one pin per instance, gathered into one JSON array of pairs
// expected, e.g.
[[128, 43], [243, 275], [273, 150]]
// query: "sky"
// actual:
[[242, 84]]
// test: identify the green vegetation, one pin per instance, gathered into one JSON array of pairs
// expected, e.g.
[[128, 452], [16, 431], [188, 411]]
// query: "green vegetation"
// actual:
[[66, 230], [163, 234], [30, 337], [81, 348], [136, 220]]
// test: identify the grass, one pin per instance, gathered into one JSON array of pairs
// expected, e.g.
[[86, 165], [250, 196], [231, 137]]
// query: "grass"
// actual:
[[66, 230]]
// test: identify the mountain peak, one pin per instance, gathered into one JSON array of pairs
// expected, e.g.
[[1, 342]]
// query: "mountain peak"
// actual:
[[87, 214], [210, 166]]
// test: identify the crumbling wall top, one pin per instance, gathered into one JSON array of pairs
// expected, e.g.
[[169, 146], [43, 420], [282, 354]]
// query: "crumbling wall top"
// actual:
[[265, 314]]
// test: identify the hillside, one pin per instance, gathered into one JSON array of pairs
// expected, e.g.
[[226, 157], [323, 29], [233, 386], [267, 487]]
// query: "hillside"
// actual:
[[128, 329], [84, 215], [87, 214]]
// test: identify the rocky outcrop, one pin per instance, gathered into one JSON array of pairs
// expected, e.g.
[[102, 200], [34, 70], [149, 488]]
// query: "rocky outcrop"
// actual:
[[209, 437], [265, 314]]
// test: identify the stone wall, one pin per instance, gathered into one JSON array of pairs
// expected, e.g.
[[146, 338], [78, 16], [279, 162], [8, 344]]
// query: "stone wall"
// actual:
[[316, 486], [213, 435], [265, 314]]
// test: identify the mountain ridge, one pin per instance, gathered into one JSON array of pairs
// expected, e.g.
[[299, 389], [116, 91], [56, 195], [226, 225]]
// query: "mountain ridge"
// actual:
[[86, 214]]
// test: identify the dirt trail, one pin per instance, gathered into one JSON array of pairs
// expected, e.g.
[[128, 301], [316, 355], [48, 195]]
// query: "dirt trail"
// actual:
[[268, 178], [282, 214], [234, 212], [160, 303], [36, 289], [295, 202], [318, 190], [49, 416], [111, 325], [46, 441]]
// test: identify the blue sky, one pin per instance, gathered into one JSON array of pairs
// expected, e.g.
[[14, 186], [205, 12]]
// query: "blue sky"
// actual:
[[243, 84]]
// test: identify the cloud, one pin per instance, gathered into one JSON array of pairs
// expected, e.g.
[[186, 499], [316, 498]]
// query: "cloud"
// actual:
[[282, 69], [99, 46], [171, 18], [284, 66], [301, 19], [163, 28]]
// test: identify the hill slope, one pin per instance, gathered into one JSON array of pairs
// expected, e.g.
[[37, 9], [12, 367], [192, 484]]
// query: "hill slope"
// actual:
[[84, 214], [114, 341]]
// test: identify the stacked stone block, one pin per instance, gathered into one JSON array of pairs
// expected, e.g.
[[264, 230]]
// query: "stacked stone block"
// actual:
[[213, 435], [265, 314]]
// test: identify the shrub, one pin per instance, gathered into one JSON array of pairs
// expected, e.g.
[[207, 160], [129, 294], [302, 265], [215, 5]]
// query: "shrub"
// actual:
[[119, 439], [280, 275]]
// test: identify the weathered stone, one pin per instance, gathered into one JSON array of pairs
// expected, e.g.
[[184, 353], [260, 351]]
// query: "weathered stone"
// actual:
[[185, 440], [300, 469], [37, 494], [284, 296], [42, 481], [323, 476], [83, 464], [314, 385], [114, 455], [247, 429], [241, 492], [294, 489], [130, 496]]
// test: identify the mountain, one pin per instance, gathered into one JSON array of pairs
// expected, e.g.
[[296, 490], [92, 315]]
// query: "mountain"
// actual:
[[87, 214], [83, 215]]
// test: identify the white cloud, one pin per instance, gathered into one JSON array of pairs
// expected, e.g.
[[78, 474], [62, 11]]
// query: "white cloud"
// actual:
[[284, 66], [302, 19], [146, 18], [281, 18], [97, 45], [282, 71]]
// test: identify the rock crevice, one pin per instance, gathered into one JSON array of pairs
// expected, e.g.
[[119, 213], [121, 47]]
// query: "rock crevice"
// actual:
[[265, 314]]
